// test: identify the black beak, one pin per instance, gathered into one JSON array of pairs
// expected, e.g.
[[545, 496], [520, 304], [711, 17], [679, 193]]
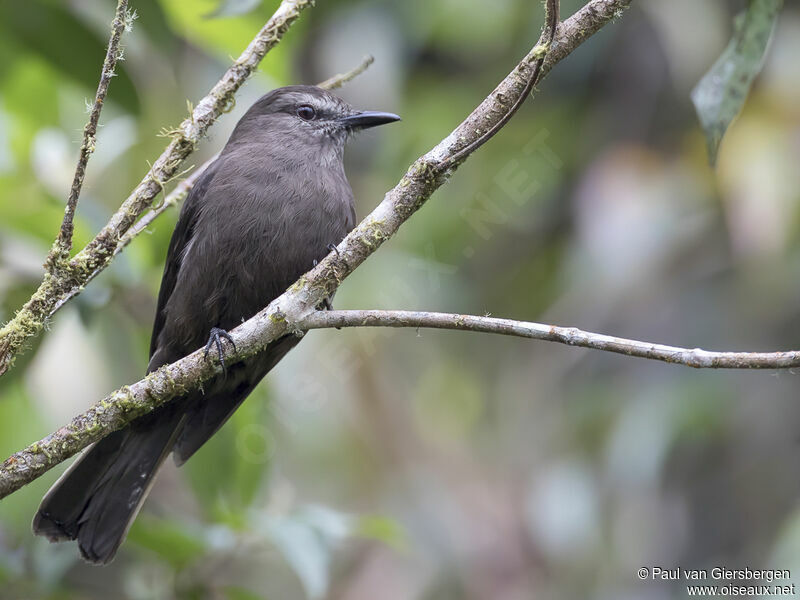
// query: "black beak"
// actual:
[[368, 118]]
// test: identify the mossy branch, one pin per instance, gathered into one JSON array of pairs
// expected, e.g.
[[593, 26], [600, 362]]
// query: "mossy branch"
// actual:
[[286, 313], [63, 244]]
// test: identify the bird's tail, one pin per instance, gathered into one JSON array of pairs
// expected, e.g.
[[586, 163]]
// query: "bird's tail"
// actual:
[[97, 498]]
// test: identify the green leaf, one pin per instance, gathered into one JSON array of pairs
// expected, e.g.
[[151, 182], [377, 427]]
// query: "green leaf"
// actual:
[[720, 94], [54, 33]]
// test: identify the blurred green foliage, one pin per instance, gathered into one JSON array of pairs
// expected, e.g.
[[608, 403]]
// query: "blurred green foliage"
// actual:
[[720, 94], [402, 464]]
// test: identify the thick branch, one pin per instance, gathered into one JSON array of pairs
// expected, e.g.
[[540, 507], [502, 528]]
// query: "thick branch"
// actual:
[[571, 336], [283, 313], [63, 245], [70, 279]]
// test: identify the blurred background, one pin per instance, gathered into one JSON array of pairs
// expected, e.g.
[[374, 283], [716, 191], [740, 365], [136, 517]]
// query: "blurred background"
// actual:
[[402, 464]]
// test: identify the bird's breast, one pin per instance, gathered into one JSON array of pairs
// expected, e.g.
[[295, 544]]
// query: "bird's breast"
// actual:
[[267, 231]]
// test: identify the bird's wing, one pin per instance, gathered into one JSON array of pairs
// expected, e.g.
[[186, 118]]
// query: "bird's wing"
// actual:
[[180, 238], [209, 411]]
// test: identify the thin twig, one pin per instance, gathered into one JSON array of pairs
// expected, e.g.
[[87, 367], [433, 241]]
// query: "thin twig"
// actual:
[[578, 28], [63, 244], [283, 313], [339, 80], [571, 336], [69, 281], [537, 56]]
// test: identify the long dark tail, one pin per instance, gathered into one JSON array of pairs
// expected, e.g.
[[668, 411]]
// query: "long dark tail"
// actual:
[[97, 498]]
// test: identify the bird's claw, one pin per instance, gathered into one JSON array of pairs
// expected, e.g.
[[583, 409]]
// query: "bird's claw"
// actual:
[[333, 248], [215, 337]]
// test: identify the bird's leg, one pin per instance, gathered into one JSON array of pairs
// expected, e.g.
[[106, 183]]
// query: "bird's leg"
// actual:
[[215, 337], [333, 248], [327, 303]]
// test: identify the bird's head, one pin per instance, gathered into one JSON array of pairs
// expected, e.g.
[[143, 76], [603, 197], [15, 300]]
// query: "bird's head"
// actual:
[[305, 114]]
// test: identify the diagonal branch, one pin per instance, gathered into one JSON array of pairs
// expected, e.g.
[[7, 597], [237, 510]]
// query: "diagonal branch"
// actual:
[[70, 279], [571, 336], [283, 314], [63, 244]]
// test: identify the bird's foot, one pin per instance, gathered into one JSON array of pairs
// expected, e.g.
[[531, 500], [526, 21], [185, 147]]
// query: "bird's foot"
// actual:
[[215, 337], [333, 248], [330, 248], [327, 303]]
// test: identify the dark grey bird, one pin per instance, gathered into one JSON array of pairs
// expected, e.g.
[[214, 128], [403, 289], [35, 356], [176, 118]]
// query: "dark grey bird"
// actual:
[[259, 217]]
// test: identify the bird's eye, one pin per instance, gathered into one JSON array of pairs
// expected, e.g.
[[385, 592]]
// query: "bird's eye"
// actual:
[[306, 112]]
